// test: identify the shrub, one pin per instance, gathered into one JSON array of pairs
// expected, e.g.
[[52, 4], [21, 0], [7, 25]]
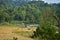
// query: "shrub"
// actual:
[[46, 32]]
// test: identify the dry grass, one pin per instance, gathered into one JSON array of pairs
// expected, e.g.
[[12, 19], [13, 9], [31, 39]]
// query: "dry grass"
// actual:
[[8, 32]]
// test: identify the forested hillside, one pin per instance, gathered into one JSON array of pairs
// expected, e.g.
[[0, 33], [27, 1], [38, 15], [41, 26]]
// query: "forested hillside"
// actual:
[[25, 11]]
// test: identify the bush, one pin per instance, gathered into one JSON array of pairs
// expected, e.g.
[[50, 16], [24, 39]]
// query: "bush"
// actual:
[[46, 32]]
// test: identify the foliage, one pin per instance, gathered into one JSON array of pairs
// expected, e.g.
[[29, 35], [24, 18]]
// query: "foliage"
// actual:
[[27, 12], [46, 32]]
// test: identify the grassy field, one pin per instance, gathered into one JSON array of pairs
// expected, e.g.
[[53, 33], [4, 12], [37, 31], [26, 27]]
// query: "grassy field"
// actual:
[[10, 32]]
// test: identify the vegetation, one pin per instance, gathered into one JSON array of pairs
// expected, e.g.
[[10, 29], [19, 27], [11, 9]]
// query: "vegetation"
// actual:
[[27, 13], [46, 32], [33, 12]]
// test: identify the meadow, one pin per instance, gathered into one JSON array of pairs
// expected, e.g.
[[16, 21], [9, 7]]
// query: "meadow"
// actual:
[[11, 32]]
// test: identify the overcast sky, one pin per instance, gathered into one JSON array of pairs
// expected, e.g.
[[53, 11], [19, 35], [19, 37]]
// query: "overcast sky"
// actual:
[[52, 1]]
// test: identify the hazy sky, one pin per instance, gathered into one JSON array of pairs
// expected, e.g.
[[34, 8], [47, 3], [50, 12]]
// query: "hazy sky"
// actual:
[[52, 1]]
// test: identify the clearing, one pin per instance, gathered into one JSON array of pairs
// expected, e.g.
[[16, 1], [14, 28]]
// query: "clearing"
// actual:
[[15, 32]]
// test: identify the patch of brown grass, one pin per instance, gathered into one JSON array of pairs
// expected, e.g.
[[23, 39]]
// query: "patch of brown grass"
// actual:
[[8, 32]]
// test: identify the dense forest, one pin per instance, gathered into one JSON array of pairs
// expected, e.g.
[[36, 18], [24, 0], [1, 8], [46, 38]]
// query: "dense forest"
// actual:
[[25, 11]]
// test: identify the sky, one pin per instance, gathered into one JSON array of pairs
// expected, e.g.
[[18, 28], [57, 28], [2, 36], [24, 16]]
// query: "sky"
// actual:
[[52, 1]]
